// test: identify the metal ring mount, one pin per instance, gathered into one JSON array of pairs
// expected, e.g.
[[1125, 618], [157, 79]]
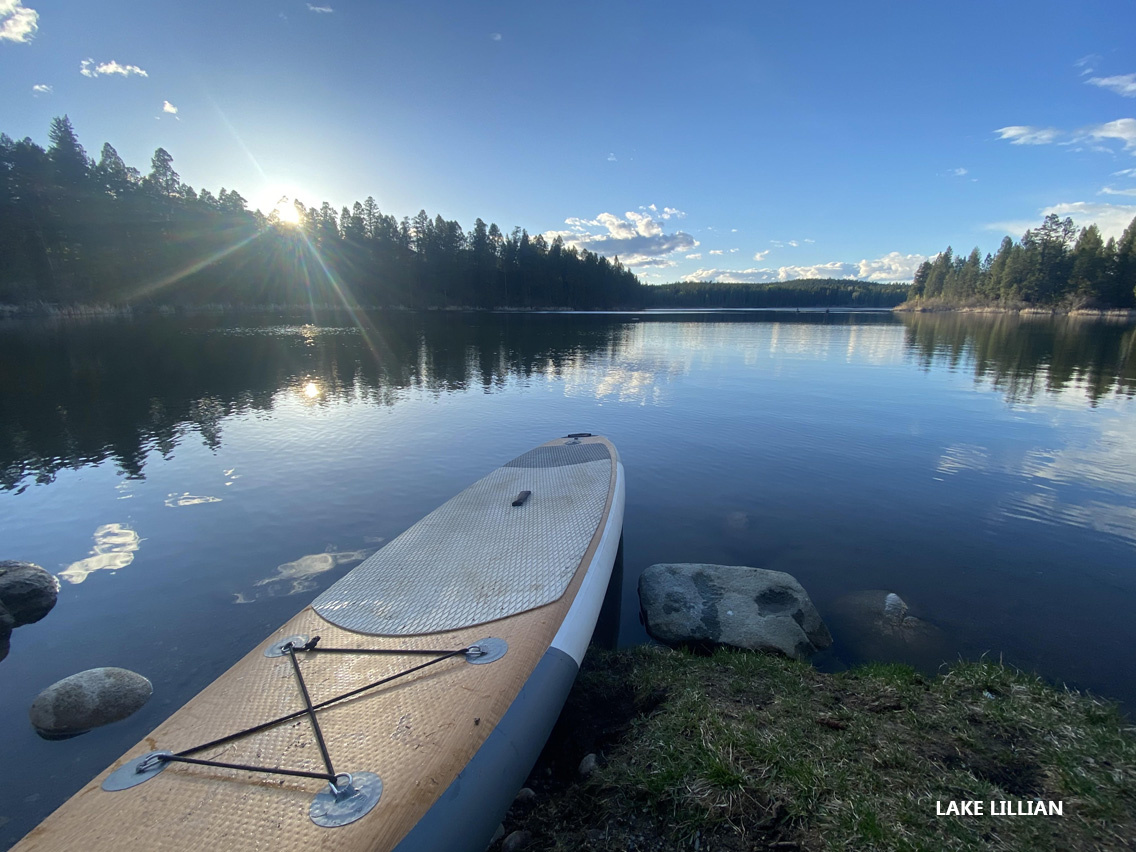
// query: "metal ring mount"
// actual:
[[488, 650], [343, 803], [279, 649]]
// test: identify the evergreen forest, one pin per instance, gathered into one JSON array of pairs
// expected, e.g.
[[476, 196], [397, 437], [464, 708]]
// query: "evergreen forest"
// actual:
[[74, 230], [1052, 266], [79, 231]]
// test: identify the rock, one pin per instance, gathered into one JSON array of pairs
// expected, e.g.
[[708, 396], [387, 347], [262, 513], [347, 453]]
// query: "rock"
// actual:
[[88, 700], [516, 841], [27, 591], [894, 609], [6, 625], [525, 796], [875, 625], [693, 603], [588, 765]]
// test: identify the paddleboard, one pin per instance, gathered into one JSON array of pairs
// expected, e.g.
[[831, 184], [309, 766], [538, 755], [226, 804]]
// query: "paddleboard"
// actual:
[[401, 710]]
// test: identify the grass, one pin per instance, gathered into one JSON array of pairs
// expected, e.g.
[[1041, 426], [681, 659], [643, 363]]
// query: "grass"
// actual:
[[738, 750]]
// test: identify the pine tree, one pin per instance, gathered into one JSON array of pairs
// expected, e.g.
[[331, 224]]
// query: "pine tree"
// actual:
[[1125, 287], [1090, 275]]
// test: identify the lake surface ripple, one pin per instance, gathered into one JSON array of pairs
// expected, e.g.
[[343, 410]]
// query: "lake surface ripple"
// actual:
[[195, 482]]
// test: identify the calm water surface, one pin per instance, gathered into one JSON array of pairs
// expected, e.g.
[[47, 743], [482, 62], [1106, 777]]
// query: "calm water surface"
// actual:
[[195, 482]]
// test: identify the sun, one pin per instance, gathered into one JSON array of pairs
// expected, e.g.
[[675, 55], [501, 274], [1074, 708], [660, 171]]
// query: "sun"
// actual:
[[287, 212]]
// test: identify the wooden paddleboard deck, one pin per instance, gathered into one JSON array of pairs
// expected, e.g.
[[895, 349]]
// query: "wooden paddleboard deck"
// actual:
[[451, 742]]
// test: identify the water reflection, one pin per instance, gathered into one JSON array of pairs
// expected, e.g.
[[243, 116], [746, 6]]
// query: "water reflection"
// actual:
[[77, 394], [115, 546], [299, 576], [1026, 356], [187, 499]]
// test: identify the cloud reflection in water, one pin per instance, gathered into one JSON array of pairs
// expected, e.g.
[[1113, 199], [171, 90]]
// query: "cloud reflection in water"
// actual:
[[115, 546], [293, 578]]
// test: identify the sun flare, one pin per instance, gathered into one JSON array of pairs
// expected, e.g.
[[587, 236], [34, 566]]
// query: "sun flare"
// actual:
[[287, 212]]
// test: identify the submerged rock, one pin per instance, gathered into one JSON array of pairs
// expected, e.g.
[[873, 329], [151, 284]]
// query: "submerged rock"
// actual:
[[6, 625], [755, 608], [875, 625], [27, 591], [88, 700]]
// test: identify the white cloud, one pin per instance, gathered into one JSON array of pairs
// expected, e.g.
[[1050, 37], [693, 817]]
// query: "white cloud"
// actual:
[[1087, 64], [1123, 129], [772, 276], [322, 10], [1108, 190], [1125, 173], [495, 36], [1124, 84], [637, 238], [1024, 135], [170, 108], [1111, 219], [890, 267], [716, 251], [695, 256], [761, 255], [42, 89], [959, 172], [17, 22], [88, 68], [611, 158]]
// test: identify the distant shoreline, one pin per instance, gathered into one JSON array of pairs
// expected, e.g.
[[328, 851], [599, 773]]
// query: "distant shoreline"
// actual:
[[1091, 313], [42, 310]]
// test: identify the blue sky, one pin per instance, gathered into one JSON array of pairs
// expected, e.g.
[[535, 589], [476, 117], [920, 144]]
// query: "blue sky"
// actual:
[[731, 141]]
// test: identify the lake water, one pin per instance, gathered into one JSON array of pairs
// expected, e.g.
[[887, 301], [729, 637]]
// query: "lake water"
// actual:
[[195, 482]]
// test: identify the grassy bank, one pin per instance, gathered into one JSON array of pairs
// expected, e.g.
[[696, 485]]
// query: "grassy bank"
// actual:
[[748, 751]]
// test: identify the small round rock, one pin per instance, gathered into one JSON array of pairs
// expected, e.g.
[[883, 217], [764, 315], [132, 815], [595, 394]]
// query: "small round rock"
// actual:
[[525, 796], [27, 591], [588, 765], [88, 700]]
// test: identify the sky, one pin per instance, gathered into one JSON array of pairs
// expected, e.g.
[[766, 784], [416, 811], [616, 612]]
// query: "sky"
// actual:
[[748, 141]]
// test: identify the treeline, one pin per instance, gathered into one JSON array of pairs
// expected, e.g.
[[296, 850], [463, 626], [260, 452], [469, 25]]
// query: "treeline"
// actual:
[[1052, 266], [805, 292], [77, 230]]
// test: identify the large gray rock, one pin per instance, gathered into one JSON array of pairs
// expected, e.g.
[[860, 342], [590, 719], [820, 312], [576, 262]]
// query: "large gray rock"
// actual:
[[88, 700], [693, 603], [27, 591]]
